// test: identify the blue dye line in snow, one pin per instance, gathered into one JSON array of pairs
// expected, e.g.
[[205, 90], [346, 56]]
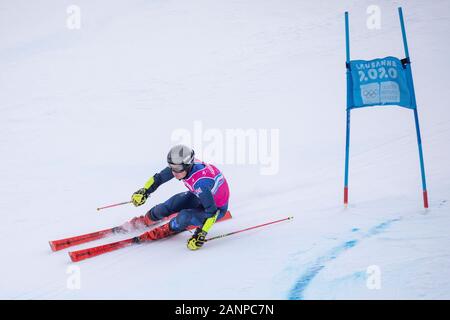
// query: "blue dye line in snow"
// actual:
[[296, 293]]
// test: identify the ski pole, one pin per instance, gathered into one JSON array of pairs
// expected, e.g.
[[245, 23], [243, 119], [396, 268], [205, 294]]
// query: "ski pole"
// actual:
[[250, 228], [114, 205]]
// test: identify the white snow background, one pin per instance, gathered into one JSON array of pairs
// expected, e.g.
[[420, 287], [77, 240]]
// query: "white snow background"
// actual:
[[86, 117]]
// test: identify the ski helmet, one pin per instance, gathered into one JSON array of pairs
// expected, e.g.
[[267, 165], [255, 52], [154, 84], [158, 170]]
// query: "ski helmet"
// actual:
[[180, 158]]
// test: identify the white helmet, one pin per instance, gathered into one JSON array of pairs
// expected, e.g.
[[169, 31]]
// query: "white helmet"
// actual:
[[180, 158]]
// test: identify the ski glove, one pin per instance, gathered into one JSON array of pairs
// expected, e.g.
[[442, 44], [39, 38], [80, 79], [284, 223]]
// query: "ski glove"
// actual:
[[199, 237], [139, 197], [197, 240]]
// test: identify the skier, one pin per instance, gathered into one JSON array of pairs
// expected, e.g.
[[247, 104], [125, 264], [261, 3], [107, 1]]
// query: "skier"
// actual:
[[204, 203]]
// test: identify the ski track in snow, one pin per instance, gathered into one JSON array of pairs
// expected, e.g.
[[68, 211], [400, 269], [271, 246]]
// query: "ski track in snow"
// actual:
[[296, 293]]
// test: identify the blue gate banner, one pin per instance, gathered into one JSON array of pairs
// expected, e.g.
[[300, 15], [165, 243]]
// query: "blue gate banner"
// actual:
[[379, 82]]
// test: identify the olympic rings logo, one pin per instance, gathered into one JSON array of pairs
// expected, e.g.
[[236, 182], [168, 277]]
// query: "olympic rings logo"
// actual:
[[371, 93]]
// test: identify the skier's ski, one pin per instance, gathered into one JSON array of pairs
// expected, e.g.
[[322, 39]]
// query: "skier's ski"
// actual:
[[95, 251], [82, 254], [56, 245]]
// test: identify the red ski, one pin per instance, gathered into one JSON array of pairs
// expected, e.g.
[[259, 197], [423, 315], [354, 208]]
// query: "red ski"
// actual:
[[56, 245], [95, 251]]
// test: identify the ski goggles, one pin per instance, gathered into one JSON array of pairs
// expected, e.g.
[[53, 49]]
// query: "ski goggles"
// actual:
[[178, 168]]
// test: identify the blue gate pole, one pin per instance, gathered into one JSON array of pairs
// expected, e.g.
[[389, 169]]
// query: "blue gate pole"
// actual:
[[347, 139], [416, 116]]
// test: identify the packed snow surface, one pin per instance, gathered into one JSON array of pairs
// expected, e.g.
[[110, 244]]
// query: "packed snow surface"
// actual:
[[88, 114]]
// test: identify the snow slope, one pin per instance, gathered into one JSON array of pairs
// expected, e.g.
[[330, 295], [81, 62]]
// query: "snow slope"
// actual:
[[87, 117]]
